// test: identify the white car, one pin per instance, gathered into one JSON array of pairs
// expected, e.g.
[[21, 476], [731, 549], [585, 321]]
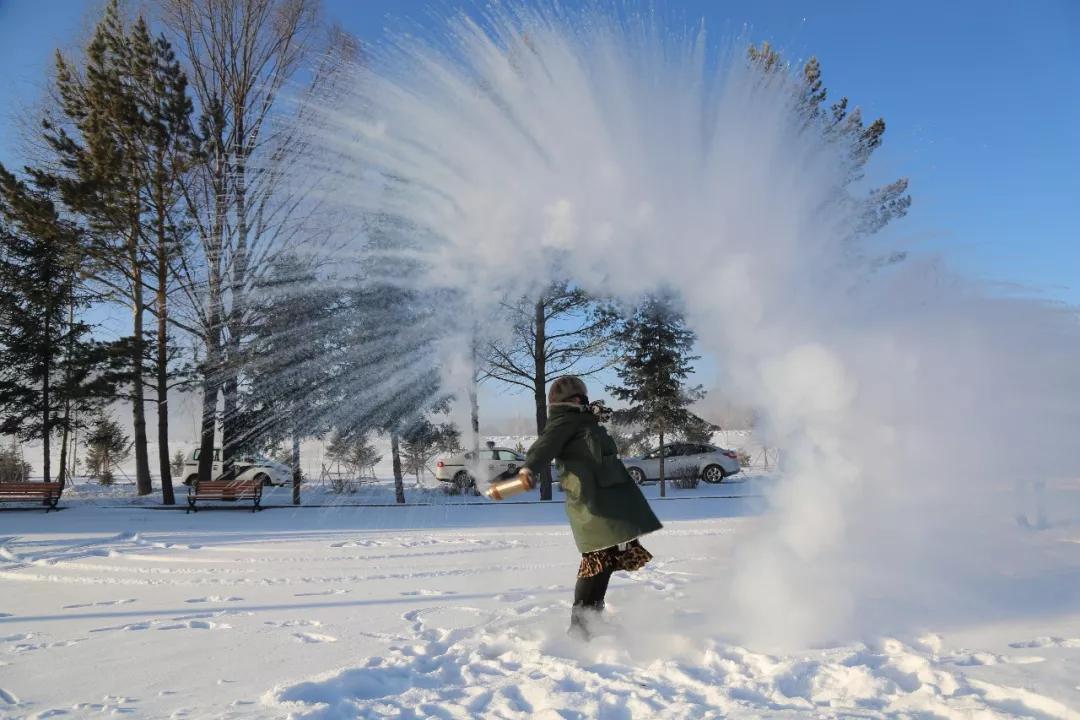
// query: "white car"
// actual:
[[711, 463], [245, 465], [493, 464]]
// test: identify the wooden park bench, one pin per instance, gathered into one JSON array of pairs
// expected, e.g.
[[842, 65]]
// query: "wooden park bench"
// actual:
[[47, 492], [228, 490]]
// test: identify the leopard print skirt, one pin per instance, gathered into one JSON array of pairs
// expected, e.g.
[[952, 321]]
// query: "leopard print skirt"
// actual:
[[633, 557]]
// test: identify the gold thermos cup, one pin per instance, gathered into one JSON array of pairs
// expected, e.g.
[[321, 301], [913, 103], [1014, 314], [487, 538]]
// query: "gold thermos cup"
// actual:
[[508, 488]]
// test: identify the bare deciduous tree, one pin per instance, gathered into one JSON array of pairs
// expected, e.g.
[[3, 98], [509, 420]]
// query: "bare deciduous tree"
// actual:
[[556, 334], [240, 57]]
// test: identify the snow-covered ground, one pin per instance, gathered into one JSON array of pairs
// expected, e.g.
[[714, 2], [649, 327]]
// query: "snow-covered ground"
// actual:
[[454, 607]]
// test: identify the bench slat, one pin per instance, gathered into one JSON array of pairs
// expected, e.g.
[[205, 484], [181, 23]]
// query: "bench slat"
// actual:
[[225, 490], [47, 492], [28, 494], [29, 486], [217, 485]]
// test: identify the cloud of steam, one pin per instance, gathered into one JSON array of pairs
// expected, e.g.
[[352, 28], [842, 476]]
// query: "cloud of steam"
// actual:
[[524, 147]]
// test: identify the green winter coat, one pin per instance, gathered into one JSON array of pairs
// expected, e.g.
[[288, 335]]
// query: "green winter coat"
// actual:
[[604, 505]]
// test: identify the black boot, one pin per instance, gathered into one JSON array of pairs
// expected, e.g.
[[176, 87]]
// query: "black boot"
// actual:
[[579, 623], [589, 596], [599, 590]]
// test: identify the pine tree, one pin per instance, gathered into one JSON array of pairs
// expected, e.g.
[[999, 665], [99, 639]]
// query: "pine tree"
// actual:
[[655, 345], [292, 335], [423, 439], [123, 141], [13, 468], [100, 181], [697, 431], [177, 464], [168, 148], [106, 447], [839, 124], [355, 452], [388, 374], [51, 366]]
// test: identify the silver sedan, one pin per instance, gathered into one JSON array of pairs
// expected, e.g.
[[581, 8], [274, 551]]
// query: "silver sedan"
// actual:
[[711, 463]]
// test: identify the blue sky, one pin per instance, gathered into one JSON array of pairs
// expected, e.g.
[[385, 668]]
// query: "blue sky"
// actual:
[[981, 100]]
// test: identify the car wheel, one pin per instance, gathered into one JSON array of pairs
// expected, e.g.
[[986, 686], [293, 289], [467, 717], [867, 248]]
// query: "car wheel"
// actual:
[[637, 475], [264, 479], [463, 481], [713, 474], [190, 479]]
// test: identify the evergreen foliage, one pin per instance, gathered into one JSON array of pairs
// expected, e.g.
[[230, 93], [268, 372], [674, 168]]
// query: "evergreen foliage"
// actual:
[[292, 335], [123, 141], [388, 375], [355, 452], [697, 431], [839, 124], [177, 463], [628, 438], [106, 447], [12, 466], [52, 368], [423, 440], [655, 346]]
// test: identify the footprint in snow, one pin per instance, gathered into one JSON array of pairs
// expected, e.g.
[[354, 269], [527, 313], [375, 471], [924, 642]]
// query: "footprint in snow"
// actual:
[[305, 637], [1046, 642], [984, 658], [293, 623], [128, 627], [216, 614], [196, 625], [324, 592], [514, 596], [358, 543], [214, 598], [8, 697], [429, 593], [125, 601], [16, 638]]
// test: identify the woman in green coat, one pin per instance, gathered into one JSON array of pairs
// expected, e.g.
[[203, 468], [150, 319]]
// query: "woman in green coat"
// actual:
[[606, 509]]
